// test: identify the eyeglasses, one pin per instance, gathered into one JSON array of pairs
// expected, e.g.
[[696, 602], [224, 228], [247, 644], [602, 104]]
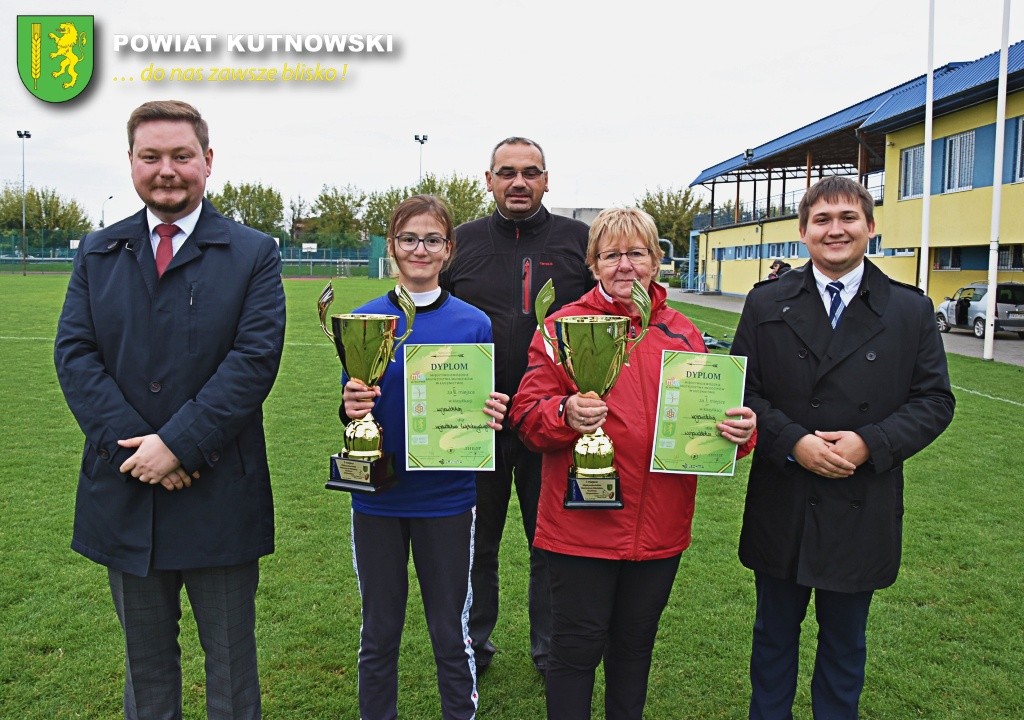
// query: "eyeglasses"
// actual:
[[530, 173], [409, 242], [634, 255]]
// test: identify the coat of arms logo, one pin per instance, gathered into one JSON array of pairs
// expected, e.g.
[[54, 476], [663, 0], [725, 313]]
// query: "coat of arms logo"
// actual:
[[55, 55]]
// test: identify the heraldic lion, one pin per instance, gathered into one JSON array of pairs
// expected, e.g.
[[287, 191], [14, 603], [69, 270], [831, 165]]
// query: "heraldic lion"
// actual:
[[66, 42]]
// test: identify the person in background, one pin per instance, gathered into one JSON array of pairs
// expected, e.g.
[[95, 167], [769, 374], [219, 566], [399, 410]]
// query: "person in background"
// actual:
[[777, 268], [431, 512], [612, 570], [847, 374], [169, 342], [503, 262]]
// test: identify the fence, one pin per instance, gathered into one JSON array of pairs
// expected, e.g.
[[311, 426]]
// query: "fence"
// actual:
[[49, 251], [777, 206]]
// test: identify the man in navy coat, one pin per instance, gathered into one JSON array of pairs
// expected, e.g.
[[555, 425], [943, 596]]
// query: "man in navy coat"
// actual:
[[848, 382], [169, 342]]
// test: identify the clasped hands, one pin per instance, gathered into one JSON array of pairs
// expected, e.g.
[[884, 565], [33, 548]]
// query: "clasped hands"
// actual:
[[359, 399], [153, 463], [835, 454], [586, 412]]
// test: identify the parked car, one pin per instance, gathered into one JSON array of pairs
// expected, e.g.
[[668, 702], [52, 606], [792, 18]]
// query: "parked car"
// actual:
[[966, 309]]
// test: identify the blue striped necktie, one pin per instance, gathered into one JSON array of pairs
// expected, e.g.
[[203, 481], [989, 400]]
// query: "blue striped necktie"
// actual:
[[835, 310]]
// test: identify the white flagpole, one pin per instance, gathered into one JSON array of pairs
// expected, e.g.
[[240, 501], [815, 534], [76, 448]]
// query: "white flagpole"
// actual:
[[926, 196], [988, 353]]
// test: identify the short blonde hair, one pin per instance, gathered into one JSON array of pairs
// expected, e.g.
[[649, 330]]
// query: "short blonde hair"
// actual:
[[623, 222]]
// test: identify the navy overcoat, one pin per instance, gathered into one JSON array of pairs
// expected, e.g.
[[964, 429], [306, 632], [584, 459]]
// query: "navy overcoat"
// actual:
[[190, 356]]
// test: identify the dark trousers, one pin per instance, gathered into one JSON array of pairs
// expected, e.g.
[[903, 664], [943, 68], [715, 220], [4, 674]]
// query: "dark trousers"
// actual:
[[838, 664], [223, 602], [609, 609], [442, 553], [515, 465]]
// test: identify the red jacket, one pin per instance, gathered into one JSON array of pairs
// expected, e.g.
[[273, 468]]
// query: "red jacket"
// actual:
[[658, 507]]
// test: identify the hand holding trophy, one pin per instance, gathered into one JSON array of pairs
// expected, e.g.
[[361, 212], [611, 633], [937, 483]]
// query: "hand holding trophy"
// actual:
[[365, 345], [592, 349]]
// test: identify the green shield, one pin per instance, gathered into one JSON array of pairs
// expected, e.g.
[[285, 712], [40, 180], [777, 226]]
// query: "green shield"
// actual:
[[55, 55]]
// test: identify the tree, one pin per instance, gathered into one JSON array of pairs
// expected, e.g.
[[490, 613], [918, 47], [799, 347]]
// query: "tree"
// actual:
[[50, 219], [252, 204], [379, 206], [45, 209], [466, 197], [298, 211], [337, 216], [673, 212]]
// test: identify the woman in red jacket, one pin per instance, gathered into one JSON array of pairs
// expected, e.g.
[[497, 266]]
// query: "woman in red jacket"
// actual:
[[612, 570]]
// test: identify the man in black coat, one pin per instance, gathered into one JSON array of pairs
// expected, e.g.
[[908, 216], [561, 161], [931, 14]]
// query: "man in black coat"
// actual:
[[503, 261], [169, 342], [847, 375]]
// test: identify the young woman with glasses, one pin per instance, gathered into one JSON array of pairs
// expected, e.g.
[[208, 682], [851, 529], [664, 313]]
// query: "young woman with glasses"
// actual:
[[430, 512]]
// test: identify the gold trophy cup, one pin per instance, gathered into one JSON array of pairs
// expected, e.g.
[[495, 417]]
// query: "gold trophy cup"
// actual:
[[592, 349], [365, 345]]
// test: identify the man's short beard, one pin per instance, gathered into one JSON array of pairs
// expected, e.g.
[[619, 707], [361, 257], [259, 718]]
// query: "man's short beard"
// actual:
[[169, 208]]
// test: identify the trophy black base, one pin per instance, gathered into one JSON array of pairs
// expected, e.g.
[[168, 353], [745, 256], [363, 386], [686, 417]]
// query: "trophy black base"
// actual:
[[588, 492], [363, 476]]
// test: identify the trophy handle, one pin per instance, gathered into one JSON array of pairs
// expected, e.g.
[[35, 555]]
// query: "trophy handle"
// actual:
[[324, 302], [408, 306], [642, 301], [545, 298]]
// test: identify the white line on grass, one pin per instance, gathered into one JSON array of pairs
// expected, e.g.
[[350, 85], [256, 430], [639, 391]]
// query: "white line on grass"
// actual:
[[985, 395], [708, 322]]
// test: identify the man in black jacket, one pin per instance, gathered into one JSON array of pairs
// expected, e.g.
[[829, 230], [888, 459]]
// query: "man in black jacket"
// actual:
[[848, 378], [503, 260]]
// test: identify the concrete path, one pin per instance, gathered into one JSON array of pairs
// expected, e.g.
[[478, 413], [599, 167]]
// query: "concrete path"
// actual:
[[1008, 347]]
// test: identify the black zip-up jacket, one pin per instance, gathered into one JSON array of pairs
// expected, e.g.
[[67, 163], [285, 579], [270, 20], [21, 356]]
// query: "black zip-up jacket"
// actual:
[[501, 264]]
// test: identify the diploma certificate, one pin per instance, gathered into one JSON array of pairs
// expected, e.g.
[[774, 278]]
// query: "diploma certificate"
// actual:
[[694, 392], [446, 387]]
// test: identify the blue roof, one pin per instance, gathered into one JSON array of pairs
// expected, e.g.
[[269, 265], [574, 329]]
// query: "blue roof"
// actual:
[[851, 117], [962, 85], [957, 85]]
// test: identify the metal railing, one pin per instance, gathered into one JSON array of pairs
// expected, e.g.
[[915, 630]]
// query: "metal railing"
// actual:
[[772, 208]]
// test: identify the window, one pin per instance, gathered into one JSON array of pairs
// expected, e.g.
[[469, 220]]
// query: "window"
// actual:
[[875, 245], [1018, 171], [912, 172], [1011, 257], [903, 252], [793, 249], [947, 259], [959, 168]]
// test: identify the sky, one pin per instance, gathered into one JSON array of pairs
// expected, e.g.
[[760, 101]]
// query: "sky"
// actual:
[[624, 97]]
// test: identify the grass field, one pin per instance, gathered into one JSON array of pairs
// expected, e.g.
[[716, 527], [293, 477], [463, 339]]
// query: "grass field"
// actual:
[[946, 642]]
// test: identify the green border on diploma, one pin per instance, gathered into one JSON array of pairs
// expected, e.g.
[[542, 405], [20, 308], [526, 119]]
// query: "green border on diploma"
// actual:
[[446, 386], [694, 391]]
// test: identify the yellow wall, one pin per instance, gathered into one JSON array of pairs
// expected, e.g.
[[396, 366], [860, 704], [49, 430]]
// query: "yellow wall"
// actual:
[[738, 276], [960, 218], [957, 219]]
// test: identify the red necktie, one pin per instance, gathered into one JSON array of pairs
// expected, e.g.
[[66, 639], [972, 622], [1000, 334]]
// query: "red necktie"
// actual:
[[165, 250]]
